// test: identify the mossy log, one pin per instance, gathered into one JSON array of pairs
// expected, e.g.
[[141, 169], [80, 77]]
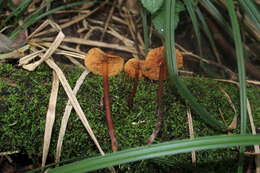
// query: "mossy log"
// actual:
[[24, 100]]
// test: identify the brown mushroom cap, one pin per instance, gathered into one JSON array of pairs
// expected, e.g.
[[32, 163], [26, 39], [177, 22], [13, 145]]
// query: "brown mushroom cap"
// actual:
[[179, 58], [154, 59], [151, 65], [96, 58], [133, 66]]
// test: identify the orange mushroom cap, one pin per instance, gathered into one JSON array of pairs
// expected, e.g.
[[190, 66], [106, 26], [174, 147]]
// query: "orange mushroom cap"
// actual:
[[96, 58], [133, 66], [154, 59]]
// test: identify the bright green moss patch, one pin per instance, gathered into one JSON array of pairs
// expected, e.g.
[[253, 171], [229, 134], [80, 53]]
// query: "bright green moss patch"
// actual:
[[24, 98]]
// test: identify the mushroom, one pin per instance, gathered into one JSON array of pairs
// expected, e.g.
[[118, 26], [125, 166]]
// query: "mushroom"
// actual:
[[155, 68], [105, 65], [133, 69]]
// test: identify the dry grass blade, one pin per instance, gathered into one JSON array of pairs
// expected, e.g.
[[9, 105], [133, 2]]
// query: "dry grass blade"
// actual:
[[66, 115], [233, 124], [236, 83], [253, 129], [231, 74], [191, 132], [41, 27], [72, 54], [50, 117], [15, 53], [26, 59], [75, 62], [74, 101], [108, 20], [48, 53], [8, 153], [92, 43], [73, 21]]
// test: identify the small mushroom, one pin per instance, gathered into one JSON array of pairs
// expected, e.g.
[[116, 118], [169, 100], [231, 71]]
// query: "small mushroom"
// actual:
[[105, 65], [153, 61], [133, 69], [155, 68]]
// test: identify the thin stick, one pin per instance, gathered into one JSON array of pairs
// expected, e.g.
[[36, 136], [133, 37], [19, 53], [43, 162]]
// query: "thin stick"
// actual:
[[107, 108], [108, 20], [191, 132]]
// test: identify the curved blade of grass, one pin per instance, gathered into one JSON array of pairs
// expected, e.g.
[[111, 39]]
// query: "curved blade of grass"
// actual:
[[36, 16], [252, 11], [190, 5], [169, 36], [171, 62], [241, 74], [1, 5], [212, 9], [158, 150], [206, 29], [145, 29], [29, 18], [17, 11]]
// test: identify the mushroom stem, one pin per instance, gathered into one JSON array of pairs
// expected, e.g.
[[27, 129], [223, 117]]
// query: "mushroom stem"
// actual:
[[135, 85], [107, 108], [159, 105]]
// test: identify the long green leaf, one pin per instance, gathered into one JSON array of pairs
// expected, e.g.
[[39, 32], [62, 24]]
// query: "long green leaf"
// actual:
[[157, 150], [144, 15], [252, 11], [190, 5], [169, 36], [171, 62], [213, 10], [206, 29], [241, 73]]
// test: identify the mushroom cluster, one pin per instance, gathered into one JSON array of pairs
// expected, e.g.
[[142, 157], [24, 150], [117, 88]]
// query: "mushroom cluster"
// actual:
[[153, 67]]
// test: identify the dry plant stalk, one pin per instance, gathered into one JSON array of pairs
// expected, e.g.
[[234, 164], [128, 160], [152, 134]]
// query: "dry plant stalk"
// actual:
[[256, 147], [191, 132], [58, 40], [66, 116], [50, 118]]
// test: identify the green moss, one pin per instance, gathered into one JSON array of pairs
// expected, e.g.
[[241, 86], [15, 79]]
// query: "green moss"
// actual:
[[24, 100]]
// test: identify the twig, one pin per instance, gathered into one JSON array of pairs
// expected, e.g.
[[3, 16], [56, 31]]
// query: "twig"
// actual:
[[231, 74]]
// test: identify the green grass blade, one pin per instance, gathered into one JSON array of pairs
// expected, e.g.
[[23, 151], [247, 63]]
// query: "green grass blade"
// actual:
[[241, 73], [158, 150], [17, 11], [206, 29], [171, 62], [36, 16], [29, 20], [144, 15], [213, 10], [191, 10], [195, 105], [252, 11], [169, 36]]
